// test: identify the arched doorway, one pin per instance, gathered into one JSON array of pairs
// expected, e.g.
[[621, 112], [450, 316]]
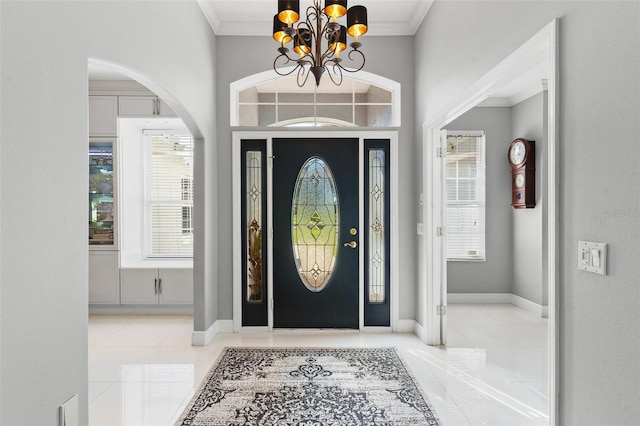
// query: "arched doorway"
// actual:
[[158, 119]]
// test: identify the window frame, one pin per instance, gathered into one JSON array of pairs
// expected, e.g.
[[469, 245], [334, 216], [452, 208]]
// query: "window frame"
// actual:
[[480, 199], [179, 200], [236, 87]]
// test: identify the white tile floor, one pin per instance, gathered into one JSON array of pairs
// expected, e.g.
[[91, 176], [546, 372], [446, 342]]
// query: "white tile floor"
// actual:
[[143, 369]]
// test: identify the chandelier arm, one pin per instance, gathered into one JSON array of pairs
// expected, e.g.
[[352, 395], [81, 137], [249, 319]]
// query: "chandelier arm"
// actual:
[[306, 25], [303, 73], [350, 58], [337, 70], [328, 34], [327, 56], [288, 59], [314, 13]]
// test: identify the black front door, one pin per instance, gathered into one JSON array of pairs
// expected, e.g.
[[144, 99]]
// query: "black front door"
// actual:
[[315, 233]]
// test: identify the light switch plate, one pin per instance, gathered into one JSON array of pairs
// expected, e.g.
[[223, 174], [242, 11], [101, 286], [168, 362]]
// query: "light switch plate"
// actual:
[[592, 257]]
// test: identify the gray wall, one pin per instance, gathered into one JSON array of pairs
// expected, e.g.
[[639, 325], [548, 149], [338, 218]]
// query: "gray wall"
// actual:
[[528, 252], [234, 66], [599, 101], [515, 253], [43, 174], [494, 275]]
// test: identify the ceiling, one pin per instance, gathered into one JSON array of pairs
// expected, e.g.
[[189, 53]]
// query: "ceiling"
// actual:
[[255, 17]]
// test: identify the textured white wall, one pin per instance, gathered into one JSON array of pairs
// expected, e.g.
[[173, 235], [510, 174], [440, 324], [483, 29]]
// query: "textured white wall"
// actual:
[[599, 150], [43, 173]]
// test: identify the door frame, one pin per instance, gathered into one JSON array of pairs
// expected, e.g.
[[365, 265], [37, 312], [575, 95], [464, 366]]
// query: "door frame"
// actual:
[[545, 46], [269, 134]]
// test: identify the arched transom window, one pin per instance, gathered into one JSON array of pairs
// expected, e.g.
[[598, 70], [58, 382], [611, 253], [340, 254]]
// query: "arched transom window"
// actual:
[[267, 99]]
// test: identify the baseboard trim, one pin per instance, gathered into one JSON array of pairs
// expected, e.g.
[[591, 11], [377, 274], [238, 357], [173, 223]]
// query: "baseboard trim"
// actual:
[[489, 298], [405, 326], [418, 330], [528, 305], [140, 310], [472, 298], [203, 338], [254, 329], [376, 329]]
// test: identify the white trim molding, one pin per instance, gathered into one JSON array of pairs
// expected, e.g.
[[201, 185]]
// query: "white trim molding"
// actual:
[[498, 298], [479, 298], [96, 309], [409, 326], [203, 338]]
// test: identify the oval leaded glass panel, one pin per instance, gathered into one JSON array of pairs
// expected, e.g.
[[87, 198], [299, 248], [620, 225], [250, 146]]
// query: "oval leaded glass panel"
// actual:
[[314, 224]]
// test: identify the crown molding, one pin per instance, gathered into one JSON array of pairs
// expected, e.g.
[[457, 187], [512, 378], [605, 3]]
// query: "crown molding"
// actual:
[[210, 14], [422, 8], [223, 27], [262, 29]]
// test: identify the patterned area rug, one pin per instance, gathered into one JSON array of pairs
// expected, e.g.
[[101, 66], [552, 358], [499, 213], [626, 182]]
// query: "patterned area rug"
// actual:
[[308, 387]]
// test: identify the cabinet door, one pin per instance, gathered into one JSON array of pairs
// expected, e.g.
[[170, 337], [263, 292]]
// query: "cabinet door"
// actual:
[[103, 113], [138, 286], [164, 110], [176, 286], [104, 279], [136, 106]]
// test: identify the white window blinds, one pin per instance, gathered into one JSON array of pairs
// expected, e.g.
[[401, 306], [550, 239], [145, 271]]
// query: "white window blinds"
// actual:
[[168, 194], [465, 196]]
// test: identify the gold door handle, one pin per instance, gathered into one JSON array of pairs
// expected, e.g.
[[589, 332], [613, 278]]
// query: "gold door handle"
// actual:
[[351, 244]]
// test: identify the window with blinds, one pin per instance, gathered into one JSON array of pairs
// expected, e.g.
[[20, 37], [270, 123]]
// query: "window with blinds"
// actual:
[[465, 196], [168, 194]]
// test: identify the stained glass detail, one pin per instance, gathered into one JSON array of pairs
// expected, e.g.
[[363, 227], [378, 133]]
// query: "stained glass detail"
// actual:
[[314, 224], [254, 228], [376, 220]]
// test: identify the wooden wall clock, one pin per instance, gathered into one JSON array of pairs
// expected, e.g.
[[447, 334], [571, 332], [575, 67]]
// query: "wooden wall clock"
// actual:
[[522, 158]]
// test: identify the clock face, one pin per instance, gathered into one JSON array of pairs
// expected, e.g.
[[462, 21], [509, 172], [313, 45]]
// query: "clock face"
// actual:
[[519, 181], [517, 153]]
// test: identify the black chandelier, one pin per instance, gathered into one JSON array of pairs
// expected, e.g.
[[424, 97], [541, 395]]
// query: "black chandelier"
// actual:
[[307, 37]]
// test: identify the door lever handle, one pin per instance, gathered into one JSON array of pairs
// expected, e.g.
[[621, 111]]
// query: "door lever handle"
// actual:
[[351, 244]]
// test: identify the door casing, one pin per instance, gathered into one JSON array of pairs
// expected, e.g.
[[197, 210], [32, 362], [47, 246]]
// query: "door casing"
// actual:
[[269, 134]]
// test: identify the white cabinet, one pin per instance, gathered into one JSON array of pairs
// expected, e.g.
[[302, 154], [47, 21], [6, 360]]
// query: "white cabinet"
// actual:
[[175, 286], [143, 106], [103, 113], [104, 282], [151, 286]]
